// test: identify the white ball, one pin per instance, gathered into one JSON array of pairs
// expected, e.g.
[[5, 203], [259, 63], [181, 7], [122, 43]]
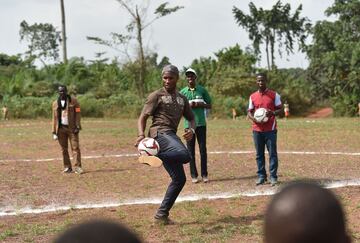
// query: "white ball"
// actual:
[[260, 115], [148, 147]]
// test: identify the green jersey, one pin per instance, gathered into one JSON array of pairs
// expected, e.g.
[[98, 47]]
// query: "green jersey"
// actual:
[[198, 94]]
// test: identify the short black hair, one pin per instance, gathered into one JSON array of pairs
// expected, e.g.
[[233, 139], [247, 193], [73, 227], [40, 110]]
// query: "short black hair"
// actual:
[[304, 212], [171, 69], [261, 75], [98, 231], [62, 86]]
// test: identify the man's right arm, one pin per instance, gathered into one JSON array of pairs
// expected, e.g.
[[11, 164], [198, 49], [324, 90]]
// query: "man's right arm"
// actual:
[[148, 109], [141, 128], [251, 116], [250, 113], [54, 121]]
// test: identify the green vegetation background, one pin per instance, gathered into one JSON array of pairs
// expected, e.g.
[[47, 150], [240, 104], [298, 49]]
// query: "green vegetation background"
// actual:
[[110, 89]]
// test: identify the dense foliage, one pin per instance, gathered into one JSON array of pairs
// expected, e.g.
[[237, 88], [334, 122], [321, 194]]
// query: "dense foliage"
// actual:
[[109, 89], [335, 57], [112, 89]]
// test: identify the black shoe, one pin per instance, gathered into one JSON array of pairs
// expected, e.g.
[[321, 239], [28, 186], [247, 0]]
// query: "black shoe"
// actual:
[[163, 220], [261, 181]]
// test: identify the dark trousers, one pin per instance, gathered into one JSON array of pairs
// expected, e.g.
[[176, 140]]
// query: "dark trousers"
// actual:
[[174, 154], [260, 140], [200, 135], [64, 136]]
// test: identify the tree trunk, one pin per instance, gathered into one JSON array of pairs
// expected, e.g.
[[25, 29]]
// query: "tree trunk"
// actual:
[[267, 52], [272, 44], [142, 74], [63, 32]]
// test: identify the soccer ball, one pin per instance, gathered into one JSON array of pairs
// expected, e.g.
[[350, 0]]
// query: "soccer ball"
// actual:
[[260, 115], [148, 147]]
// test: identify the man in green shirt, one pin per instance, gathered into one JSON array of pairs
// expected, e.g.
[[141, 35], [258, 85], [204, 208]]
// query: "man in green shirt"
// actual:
[[199, 100]]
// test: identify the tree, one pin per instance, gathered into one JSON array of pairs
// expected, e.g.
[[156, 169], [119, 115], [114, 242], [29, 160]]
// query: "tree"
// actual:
[[234, 71], [335, 57], [275, 25], [229, 74], [6, 60], [43, 41], [137, 24], [63, 32]]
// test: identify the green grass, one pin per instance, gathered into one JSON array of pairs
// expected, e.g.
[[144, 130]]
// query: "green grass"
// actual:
[[32, 231], [7, 233]]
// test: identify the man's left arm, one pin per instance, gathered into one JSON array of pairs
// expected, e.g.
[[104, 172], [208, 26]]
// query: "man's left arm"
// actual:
[[207, 99], [278, 107], [77, 116], [277, 111], [189, 115]]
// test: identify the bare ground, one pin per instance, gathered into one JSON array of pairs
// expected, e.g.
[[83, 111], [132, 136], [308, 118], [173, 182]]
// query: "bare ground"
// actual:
[[322, 113], [37, 184]]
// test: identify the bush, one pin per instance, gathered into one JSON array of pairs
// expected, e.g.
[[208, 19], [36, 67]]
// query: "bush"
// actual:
[[222, 106], [29, 107], [123, 105], [90, 106]]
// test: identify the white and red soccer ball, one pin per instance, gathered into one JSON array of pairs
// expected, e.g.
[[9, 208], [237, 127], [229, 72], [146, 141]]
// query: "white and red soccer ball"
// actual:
[[148, 147], [260, 115]]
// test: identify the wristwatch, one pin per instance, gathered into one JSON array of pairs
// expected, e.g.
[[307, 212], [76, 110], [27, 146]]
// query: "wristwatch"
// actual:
[[192, 129]]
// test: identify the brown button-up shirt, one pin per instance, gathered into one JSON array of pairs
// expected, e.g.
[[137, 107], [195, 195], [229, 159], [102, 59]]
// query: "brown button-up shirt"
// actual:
[[167, 110]]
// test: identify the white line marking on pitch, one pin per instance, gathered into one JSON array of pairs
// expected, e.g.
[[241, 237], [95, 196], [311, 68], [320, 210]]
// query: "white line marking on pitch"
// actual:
[[26, 124], [211, 152], [142, 201]]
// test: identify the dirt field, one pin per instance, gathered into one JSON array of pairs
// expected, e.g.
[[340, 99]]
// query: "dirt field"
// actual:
[[327, 150], [322, 113]]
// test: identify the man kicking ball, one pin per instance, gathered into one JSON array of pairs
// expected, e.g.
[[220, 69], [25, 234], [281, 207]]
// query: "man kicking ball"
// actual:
[[167, 106]]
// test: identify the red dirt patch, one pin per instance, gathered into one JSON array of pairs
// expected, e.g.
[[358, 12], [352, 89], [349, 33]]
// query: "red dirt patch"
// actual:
[[322, 113]]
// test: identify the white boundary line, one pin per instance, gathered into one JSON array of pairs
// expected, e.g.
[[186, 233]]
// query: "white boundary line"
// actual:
[[142, 201], [289, 152], [32, 123], [211, 152]]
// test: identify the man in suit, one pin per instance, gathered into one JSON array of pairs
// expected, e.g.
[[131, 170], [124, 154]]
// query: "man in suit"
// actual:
[[66, 127]]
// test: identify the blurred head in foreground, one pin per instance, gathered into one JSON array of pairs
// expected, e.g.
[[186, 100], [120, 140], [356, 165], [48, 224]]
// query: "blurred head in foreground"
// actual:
[[305, 212], [98, 231]]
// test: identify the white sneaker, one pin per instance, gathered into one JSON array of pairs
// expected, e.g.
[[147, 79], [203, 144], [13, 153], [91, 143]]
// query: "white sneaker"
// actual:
[[67, 170], [205, 179], [194, 180], [78, 170]]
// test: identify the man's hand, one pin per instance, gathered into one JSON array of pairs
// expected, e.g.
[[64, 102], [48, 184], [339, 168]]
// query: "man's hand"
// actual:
[[138, 139], [76, 130], [55, 137], [270, 113], [188, 134], [194, 104]]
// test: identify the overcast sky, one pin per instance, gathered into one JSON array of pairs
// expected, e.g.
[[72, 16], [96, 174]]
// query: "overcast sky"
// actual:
[[200, 29]]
